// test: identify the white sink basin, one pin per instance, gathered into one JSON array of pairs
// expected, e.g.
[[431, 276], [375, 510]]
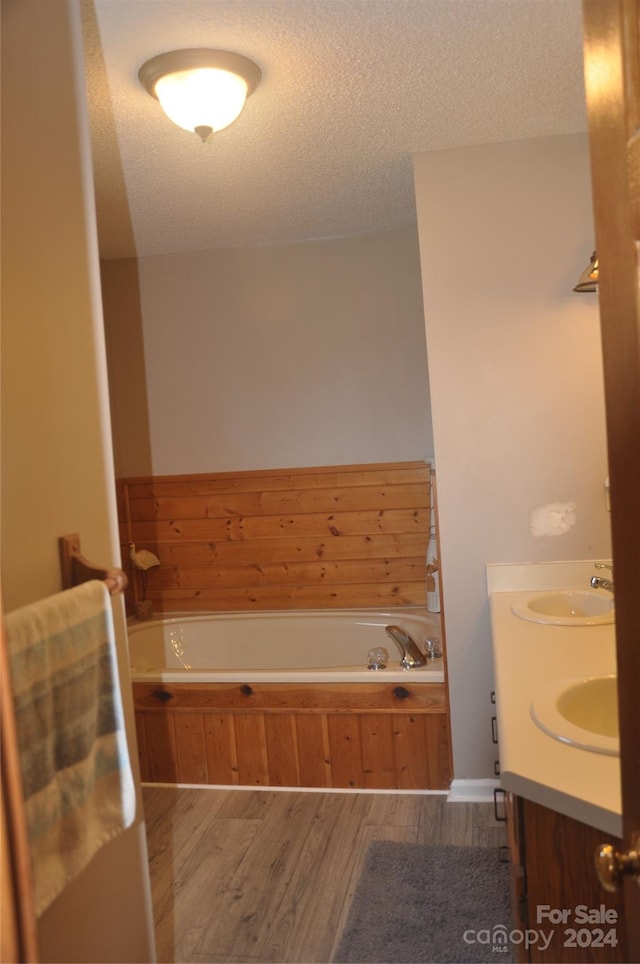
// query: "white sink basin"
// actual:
[[568, 607], [582, 712]]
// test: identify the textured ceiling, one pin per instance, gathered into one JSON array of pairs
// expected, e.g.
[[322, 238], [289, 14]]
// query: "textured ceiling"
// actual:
[[350, 90]]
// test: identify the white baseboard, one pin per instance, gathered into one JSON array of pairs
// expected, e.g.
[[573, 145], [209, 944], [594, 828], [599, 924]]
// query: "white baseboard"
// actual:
[[472, 791], [461, 791], [361, 790]]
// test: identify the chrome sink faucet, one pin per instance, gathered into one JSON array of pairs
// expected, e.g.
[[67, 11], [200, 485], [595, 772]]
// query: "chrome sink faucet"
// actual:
[[410, 652], [598, 582]]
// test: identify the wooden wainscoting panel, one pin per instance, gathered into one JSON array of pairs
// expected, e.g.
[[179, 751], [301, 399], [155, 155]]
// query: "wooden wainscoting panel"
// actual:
[[439, 760], [191, 753], [220, 744], [288, 697], [282, 750], [160, 742], [297, 525], [143, 750], [234, 504], [251, 749], [314, 760], [186, 555], [308, 574], [369, 735], [378, 752], [261, 598], [410, 747], [345, 750], [171, 486], [329, 537]]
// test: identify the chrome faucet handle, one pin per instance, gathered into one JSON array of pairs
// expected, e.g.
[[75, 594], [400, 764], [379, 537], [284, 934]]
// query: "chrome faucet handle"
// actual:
[[433, 649], [599, 582], [378, 658]]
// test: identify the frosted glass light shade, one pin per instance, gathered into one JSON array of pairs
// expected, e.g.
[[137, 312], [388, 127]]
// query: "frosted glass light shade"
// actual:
[[202, 98], [200, 90]]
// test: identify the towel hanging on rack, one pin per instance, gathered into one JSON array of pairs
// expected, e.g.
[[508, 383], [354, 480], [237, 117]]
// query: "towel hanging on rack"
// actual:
[[76, 773]]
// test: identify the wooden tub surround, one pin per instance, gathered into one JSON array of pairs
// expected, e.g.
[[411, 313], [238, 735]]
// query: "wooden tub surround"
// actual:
[[361, 735], [337, 537]]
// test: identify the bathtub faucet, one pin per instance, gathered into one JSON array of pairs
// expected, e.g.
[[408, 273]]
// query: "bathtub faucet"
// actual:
[[598, 582], [411, 655]]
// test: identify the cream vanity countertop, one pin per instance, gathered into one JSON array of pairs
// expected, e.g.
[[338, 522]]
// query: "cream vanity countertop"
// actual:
[[528, 657]]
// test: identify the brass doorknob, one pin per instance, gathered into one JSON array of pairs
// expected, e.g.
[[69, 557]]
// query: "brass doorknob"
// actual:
[[612, 867]]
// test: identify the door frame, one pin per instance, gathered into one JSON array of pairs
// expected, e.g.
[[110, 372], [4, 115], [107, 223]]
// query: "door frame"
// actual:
[[612, 83]]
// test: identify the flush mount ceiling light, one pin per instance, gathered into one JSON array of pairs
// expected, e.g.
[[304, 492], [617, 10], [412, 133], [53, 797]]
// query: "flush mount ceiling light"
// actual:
[[590, 276], [200, 90]]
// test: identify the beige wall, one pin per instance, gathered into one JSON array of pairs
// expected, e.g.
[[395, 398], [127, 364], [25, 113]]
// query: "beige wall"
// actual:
[[127, 369], [274, 357], [57, 469], [516, 384]]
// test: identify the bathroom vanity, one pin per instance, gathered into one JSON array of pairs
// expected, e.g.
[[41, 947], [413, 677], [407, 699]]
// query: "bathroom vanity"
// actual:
[[555, 894], [559, 770]]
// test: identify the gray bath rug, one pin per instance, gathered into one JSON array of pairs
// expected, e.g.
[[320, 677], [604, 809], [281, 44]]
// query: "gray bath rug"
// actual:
[[416, 904]]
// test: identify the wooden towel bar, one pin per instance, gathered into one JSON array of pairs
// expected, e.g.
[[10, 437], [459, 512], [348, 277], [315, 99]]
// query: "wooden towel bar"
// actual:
[[75, 568]]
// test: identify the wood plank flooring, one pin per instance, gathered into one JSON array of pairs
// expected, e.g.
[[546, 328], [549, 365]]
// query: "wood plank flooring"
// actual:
[[266, 877]]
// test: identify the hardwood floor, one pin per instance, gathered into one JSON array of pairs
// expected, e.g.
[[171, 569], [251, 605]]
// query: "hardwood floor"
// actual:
[[266, 877]]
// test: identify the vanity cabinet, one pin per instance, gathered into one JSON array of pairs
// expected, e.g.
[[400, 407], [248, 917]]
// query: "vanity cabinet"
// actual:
[[555, 891]]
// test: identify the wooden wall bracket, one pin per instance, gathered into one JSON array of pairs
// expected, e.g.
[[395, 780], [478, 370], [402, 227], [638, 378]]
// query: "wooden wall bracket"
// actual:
[[75, 569]]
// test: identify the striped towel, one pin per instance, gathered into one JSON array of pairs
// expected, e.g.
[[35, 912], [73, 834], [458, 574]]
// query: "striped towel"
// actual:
[[76, 772]]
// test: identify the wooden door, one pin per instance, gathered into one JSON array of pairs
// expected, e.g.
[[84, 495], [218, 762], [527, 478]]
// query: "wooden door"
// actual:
[[612, 78], [18, 929]]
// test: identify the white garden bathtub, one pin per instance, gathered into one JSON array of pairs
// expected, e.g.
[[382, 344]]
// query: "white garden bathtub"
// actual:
[[310, 646]]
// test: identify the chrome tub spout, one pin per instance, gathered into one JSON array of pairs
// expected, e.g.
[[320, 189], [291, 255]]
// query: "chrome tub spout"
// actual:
[[599, 582], [409, 650]]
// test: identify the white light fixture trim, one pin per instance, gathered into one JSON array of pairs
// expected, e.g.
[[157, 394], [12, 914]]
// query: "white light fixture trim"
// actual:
[[200, 90]]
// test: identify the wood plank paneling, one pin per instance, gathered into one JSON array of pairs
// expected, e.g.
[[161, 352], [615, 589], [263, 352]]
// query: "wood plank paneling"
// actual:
[[143, 752], [388, 473], [296, 573], [345, 750], [314, 763], [284, 697], [295, 525], [160, 741], [274, 503], [251, 749], [411, 750], [372, 750], [282, 750], [284, 598], [191, 753], [220, 748], [378, 755], [439, 761], [369, 735], [323, 537], [384, 546]]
